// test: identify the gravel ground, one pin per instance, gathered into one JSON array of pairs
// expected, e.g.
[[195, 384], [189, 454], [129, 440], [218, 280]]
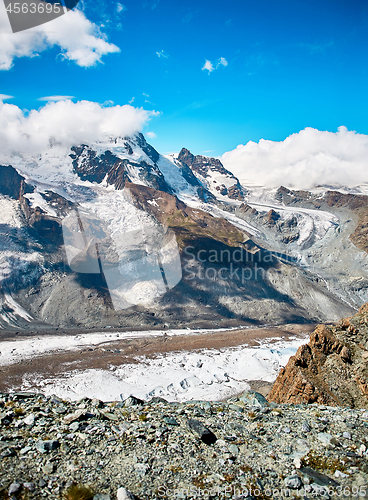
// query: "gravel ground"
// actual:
[[244, 447]]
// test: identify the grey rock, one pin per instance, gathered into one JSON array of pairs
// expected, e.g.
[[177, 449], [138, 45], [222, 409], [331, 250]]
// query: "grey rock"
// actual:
[[233, 449], [25, 395], [60, 410], [30, 419], [235, 407], [124, 494], [48, 468], [170, 421], [204, 434], [78, 415], [138, 452], [253, 398], [7, 452], [14, 489], [133, 401], [318, 477], [101, 496], [48, 445], [29, 486], [306, 427], [110, 416], [325, 438], [157, 399], [97, 403], [74, 426], [25, 450], [293, 482]]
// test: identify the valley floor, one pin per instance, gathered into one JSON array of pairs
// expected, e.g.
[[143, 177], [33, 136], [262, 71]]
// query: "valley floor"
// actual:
[[178, 365]]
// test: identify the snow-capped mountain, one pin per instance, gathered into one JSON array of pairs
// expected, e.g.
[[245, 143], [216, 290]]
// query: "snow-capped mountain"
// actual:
[[116, 234], [212, 174]]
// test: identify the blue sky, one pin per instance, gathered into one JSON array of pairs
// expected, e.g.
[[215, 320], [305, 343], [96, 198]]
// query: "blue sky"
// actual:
[[278, 67]]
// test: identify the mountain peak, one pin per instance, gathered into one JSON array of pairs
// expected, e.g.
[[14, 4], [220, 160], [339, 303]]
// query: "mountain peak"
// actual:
[[186, 157], [213, 175]]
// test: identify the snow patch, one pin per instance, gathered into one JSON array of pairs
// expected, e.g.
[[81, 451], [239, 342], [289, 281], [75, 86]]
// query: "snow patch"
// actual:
[[37, 200]]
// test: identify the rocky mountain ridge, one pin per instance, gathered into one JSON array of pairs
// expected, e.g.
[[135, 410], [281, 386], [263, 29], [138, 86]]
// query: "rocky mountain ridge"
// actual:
[[223, 182], [331, 369]]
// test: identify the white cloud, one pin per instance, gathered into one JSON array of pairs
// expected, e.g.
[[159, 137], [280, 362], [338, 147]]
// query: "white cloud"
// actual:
[[304, 160], [79, 39], [151, 135], [56, 98], [162, 54], [221, 62], [4, 97], [120, 7], [66, 123], [209, 66]]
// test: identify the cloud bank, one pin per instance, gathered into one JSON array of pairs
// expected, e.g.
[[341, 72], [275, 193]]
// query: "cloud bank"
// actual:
[[79, 39], [304, 160], [65, 123]]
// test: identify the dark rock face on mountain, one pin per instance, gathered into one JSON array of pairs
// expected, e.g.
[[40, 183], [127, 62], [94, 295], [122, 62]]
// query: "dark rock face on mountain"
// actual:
[[44, 226], [61, 205], [208, 167], [89, 166], [12, 184], [202, 164], [147, 148], [331, 369]]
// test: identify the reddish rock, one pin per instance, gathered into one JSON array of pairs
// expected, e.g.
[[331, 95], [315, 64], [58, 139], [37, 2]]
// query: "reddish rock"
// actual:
[[272, 217], [331, 369]]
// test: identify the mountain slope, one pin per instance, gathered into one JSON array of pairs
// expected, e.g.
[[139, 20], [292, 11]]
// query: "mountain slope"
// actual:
[[238, 264]]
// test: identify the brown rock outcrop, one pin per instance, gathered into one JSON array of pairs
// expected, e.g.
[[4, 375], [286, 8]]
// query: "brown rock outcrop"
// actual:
[[331, 369]]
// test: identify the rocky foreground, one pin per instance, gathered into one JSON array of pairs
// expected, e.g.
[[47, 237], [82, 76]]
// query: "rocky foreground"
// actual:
[[244, 447]]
